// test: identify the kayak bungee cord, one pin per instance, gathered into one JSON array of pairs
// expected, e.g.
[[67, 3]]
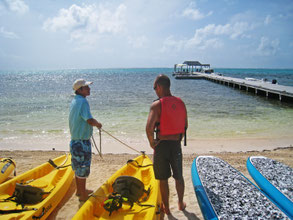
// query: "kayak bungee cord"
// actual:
[[120, 141], [61, 165]]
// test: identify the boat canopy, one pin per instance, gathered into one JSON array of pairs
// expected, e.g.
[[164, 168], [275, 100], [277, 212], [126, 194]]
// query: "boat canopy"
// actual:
[[180, 65], [191, 66], [192, 63], [195, 63]]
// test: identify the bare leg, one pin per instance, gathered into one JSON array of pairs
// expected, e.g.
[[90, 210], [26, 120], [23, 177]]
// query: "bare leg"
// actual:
[[80, 188], [180, 192], [80, 185], [164, 187]]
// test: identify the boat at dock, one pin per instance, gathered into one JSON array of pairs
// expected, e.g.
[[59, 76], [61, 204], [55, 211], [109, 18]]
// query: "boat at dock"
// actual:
[[274, 81], [191, 70], [263, 87], [256, 86]]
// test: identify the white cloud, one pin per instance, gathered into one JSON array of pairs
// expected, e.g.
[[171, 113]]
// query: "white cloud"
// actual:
[[235, 30], [267, 47], [268, 20], [172, 44], [195, 14], [209, 36], [203, 43], [7, 34], [239, 29], [201, 35], [210, 31], [69, 19], [86, 24], [17, 6]]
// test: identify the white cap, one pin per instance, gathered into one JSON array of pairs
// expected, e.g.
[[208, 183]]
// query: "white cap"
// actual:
[[80, 83]]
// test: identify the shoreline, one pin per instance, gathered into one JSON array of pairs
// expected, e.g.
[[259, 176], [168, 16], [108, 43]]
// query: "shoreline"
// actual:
[[4, 152], [109, 145], [103, 168]]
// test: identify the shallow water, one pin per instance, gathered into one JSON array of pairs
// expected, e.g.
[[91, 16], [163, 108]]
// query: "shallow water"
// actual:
[[35, 104]]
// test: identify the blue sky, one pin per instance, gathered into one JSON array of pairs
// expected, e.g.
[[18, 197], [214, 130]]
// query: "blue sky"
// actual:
[[58, 34]]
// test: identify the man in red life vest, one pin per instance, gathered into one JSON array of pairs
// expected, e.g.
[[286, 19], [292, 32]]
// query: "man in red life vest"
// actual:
[[169, 116]]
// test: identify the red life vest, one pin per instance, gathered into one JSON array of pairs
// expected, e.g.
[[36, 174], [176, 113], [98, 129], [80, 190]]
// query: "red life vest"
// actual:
[[173, 116]]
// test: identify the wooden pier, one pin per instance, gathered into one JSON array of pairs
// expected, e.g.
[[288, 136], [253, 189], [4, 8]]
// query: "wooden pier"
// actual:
[[258, 87]]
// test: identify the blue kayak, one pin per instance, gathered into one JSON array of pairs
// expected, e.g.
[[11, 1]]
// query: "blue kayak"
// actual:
[[275, 179], [224, 193]]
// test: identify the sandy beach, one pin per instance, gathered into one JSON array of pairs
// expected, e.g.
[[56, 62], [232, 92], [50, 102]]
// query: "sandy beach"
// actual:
[[103, 168]]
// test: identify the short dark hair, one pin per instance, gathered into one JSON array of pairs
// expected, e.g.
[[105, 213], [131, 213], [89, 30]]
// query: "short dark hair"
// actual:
[[163, 81]]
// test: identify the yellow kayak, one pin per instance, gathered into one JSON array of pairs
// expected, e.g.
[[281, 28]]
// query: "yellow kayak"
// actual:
[[141, 168], [35, 193], [7, 165]]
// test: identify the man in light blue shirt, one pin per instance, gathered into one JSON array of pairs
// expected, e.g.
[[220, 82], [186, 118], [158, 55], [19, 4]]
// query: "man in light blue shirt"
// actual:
[[80, 129], [81, 125]]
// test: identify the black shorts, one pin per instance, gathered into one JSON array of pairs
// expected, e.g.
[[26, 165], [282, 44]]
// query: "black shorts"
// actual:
[[167, 157]]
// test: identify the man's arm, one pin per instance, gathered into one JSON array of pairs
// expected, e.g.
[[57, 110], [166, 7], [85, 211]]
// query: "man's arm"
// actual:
[[153, 118], [94, 122], [186, 126]]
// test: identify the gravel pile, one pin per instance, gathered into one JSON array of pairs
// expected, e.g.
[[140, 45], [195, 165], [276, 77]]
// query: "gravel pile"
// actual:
[[231, 194], [278, 174]]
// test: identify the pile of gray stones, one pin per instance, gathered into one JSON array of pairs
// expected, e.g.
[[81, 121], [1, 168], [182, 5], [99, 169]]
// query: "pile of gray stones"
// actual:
[[231, 194], [278, 174]]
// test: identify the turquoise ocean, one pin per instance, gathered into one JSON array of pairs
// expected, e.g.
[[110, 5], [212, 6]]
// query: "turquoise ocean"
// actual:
[[34, 105]]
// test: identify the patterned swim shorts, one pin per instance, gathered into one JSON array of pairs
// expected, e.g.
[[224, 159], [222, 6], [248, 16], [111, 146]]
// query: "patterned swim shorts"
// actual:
[[81, 155]]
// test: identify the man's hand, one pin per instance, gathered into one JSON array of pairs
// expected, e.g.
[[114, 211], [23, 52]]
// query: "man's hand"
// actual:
[[94, 122], [99, 126], [155, 143]]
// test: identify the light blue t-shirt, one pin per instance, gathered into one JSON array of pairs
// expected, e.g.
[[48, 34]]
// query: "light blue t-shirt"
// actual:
[[78, 116]]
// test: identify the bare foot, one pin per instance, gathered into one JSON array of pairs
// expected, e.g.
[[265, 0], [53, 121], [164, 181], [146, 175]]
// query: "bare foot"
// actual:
[[87, 191], [165, 210], [83, 198], [181, 206]]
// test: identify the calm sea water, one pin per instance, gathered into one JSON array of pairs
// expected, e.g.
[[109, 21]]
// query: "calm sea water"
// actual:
[[34, 104]]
